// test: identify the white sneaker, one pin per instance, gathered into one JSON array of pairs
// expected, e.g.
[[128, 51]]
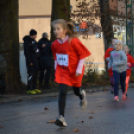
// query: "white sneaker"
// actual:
[[83, 103], [60, 121]]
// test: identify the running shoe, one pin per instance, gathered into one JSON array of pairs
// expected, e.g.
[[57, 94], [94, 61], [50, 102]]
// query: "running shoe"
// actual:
[[116, 98], [83, 102], [60, 121]]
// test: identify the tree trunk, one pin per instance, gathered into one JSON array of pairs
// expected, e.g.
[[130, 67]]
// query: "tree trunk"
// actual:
[[60, 10], [106, 22], [9, 42]]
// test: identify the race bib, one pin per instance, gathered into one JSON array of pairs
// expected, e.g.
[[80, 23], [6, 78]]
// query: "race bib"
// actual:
[[62, 59]]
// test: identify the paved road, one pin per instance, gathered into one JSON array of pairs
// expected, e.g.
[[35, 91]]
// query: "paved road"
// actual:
[[103, 116]]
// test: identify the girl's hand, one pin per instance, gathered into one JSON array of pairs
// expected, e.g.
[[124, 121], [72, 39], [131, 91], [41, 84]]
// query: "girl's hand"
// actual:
[[31, 64], [43, 45], [129, 64], [77, 74]]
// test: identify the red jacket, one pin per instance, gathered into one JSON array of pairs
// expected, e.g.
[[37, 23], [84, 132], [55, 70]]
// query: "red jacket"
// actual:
[[106, 56]]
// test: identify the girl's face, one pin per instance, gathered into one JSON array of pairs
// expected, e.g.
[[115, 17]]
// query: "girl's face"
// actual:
[[126, 50], [59, 31], [118, 46], [113, 40]]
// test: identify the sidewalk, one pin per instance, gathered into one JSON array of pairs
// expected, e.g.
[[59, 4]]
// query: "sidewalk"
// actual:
[[19, 98]]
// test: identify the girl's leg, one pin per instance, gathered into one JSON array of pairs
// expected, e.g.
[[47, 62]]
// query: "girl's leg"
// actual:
[[60, 121], [127, 82], [122, 81], [112, 84], [82, 95], [78, 92], [116, 76], [112, 81], [62, 98]]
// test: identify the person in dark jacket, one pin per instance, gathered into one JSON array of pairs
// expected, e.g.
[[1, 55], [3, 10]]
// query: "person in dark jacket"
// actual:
[[31, 53], [46, 60]]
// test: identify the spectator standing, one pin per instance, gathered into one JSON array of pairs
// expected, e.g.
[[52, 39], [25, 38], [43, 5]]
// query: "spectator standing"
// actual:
[[31, 53], [44, 45]]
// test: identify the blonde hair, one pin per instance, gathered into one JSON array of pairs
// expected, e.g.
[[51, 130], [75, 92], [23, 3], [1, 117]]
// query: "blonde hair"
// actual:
[[71, 30]]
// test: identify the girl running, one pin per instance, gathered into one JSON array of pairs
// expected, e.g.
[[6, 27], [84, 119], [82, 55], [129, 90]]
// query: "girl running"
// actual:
[[69, 54], [130, 64], [117, 62], [106, 57]]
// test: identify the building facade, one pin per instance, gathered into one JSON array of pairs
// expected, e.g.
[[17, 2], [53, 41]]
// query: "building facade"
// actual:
[[36, 14]]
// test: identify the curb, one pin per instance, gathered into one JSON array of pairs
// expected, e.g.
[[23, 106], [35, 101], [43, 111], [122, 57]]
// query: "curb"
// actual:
[[20, 98]]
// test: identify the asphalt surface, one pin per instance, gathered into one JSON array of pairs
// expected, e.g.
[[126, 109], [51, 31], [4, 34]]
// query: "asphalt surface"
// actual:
[[102, 116]]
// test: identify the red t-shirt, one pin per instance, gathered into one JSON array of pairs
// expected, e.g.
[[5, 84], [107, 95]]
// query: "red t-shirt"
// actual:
[[131, 61], [67, 56], [107, 55]]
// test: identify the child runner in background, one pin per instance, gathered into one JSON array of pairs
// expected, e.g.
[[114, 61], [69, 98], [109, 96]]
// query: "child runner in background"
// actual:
[[130, 64], [69, 54], [118, 62], [106, 57]]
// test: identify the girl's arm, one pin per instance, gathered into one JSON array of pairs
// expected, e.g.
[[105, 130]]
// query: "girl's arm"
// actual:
[[82, 53], [80, 66], [81, 50], [110, 62], [123, 60], [55, 64]]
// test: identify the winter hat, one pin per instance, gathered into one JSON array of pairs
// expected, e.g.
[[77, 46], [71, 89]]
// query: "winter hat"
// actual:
[[33, 32], [116, 41]]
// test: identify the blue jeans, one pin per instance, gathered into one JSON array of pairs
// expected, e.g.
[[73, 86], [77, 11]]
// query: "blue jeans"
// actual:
[[119, 77]]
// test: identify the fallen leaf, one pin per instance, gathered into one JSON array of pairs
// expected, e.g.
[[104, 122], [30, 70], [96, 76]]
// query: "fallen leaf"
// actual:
[[99, 106], [104, 89], [1, 127], [82, 121], [52, 121], [20, 100], [93, 112], [91, 117], [76, 130], [46, 108]]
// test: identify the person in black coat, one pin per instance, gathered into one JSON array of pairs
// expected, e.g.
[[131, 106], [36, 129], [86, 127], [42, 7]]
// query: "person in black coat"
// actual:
[[31, 53], [44, 46]]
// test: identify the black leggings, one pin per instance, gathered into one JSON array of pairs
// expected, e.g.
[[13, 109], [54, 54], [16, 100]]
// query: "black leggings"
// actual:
[[63, 94], [32, 80]]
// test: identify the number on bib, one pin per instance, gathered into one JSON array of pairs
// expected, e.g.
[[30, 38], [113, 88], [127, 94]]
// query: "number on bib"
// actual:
[[62, 59]]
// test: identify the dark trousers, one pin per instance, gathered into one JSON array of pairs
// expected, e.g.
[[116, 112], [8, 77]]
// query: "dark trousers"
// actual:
[[32, 80], [62, 97], [112, 81], [46, 76], [119, 77]]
